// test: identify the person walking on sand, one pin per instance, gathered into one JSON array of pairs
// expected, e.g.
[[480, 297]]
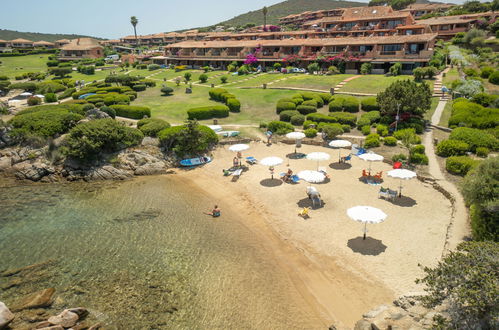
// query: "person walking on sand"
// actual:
[[269, 137]]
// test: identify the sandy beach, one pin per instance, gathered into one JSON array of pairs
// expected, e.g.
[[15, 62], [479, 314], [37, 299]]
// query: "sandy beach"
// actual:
[[337, 273]]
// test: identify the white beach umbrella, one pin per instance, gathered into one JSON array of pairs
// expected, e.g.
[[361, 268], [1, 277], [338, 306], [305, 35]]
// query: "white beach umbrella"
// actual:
[[312, 176], [371, 157], [216, 128], [340, 144], [366, 214], [318, 156], [271, 162], [26, 94], [295, 136], [40, 96], [402, 174], [239, 147]]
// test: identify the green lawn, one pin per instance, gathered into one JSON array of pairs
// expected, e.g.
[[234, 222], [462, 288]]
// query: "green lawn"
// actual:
[[452, 75], [444, 119], [256, 105], [89, 78], [255, 80], [312, 82], [16, 65], [373, 83]]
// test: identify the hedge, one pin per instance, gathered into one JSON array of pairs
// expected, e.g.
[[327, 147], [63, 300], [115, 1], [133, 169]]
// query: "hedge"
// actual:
[[26, 86], [280, 127], [473, 115], [283, 106], [448, 148], [369, 104], [212, 111], [152, 126], [49, 87], [67, 93], [287, 114], [312, 103], [50, 98], [234, 105], [306, 109], [366, 130], [460, 165], [310, 132], [321, 118], [44, 122], [390, 141], [475, 138], [131, 111], [344, 118], [494, 77], [215, 93], [372, 141], [297, 120], [139, 87], [331, 131], [346, 103], [172, 139]]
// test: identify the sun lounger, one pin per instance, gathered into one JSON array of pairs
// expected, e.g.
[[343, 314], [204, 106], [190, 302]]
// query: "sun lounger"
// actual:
[[346, 158], [295, 178], [251, 160], [360, 151], [387, 193], [237, 172]]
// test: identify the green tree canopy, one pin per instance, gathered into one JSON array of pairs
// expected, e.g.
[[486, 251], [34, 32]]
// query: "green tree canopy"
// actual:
[[396, 4], [411, 96], [467, 280]]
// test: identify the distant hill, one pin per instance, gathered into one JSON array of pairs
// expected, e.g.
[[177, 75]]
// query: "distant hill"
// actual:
[[289, 7], [33, 36]]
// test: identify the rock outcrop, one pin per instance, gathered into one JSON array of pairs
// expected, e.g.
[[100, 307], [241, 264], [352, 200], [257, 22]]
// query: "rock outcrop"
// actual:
[[6, 315], [37, 299]]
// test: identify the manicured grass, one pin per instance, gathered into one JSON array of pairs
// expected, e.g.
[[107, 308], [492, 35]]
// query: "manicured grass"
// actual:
[[372, 83], [490, 88], [16, 65], [256, 80], [452, 75], [312, 82], [99, 75]]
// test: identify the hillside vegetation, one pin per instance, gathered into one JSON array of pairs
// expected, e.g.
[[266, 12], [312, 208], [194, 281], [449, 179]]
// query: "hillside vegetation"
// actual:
[[289, 7], [33, 36]]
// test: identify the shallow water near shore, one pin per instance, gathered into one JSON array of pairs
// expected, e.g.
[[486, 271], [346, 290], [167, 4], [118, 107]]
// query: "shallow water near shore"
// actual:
[[140, 254]]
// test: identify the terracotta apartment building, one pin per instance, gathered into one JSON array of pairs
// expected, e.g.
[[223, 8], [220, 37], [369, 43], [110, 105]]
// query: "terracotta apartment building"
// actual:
[[81, 48]]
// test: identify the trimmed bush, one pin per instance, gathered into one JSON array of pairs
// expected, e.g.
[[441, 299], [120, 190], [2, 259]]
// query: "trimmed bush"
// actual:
[[212, 111], [494, 78], [223, 79], [131, 111], [203, 78], [419, 159], [45, 121], [475, 138], [308, 123], [25, 86], [49, 87], [366, 130], [362, 121], [166, 91], [297, 120], [310, 132], [202, 138], [109, 111], [306, 109], [418, 149], [139, 88], [484, 99], [88, 140], [466, 113], [448, 148], [459, 165], [33, 100], [321, 118], [283, 106], [67, 93], [234, 105], [280, 127], [390, 141], [312, 103], [152, 67], [344, 118], [346, 103], [50, 98], [331, 131], [325, 97], [486, 72], [152, 126], [369, 104], [346, 128], [482, 152], [382, 130], [372, 141], [287, 114], [399, 158], [216, 94]]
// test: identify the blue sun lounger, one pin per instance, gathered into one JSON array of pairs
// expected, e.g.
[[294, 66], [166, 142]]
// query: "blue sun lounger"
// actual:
[[251, 160]]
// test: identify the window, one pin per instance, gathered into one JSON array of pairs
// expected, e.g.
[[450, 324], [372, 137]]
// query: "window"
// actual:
[[391, 49], [409, 32]]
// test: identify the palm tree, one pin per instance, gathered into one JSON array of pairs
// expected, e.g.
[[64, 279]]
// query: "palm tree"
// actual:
[[265, 11], [134, 21]]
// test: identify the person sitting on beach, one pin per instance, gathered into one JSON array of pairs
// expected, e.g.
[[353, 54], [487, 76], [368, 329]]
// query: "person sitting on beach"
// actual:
[[216, 212], [288, 175]]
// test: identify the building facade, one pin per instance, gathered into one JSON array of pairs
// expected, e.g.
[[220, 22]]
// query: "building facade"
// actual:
[[81, 48]]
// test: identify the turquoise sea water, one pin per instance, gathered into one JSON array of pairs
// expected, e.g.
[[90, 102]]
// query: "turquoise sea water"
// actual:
[[141, 255]]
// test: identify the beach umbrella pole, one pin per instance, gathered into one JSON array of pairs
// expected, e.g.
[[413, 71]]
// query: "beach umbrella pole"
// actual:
[[365, 231], [339, 155], [400, 188]]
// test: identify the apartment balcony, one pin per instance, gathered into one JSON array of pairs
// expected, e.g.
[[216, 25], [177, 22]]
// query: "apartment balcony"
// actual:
[[401, 54], [269, 55]]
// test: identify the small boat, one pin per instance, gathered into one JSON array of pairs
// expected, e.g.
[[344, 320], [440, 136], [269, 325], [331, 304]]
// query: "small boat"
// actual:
[[228, 133], [195, 161]]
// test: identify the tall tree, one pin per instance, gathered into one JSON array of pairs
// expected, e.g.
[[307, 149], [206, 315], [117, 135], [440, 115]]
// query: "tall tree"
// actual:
[[265, 12], [134, 21], [408, 95]]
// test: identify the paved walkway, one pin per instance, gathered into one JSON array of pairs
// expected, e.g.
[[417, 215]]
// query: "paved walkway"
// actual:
[[344, 82], [459, 225]]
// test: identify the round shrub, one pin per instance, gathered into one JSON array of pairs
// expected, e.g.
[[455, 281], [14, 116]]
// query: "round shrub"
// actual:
[[287, 114], [418, 149], [280, 127], [152, 126], [308, 123], [50, 97], [344, 118], [420, 159], [482, 152], [351, 104], [167, 91], [331, 131], [363, 121], [223, 79], [494, 78], [212, 111], [297, 100], [399, 158], [234, 105], [475, 138], [366, 130], [109, 111], [152, 67], [216, 94], [139, 88], [306, 109], [32, 100], [310, 132], [203, 78], [382, 130], [283, 106], [372, 141], [297, 120], [321, 118], [459, 165], [312, 103], [88, 106], [346, 128], [486, 72], [448, 148], [369, 104], [390, 141]]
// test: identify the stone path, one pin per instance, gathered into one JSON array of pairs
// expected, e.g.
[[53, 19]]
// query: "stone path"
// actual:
[[437, 86], [242, 80], [458, 228], [344, 82]]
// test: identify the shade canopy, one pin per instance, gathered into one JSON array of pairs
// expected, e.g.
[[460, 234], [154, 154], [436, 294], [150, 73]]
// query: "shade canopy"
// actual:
[[312, 176], [402, 174], [340, 144], [366, 214], [271, 161], [216, 128], [239, 147], [25, 94], [371, 157], [318, 156], [295, 135]]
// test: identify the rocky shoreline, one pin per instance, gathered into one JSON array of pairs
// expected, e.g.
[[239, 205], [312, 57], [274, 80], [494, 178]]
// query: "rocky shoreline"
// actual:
[[38, 165]]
